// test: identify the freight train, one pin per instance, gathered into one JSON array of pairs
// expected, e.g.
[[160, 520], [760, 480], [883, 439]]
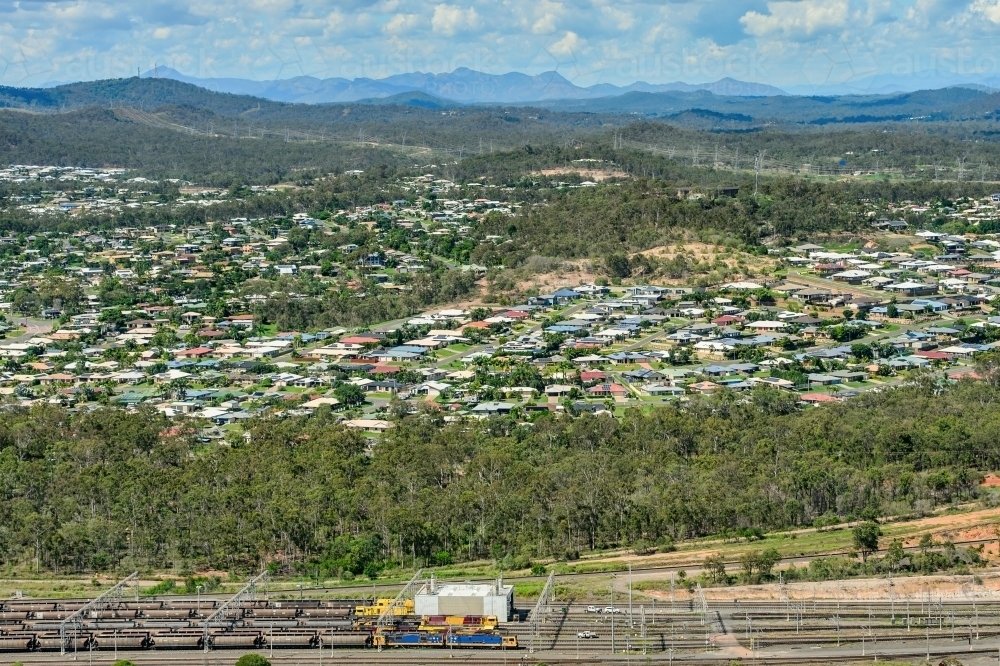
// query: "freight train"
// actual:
[[179, 624]]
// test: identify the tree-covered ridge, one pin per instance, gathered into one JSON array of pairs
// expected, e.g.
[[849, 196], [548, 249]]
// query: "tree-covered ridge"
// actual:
[[95, 490], [636, 214], [96, 138]]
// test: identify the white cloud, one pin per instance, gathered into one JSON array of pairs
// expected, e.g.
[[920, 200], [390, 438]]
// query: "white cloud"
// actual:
[[568, 45], [797, 19], [546, 25], [335, 22], [450, 19], [623, 20], [401, 23], [988, 9]]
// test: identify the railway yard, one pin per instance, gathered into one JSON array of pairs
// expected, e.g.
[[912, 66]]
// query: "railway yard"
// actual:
[[211, 630]]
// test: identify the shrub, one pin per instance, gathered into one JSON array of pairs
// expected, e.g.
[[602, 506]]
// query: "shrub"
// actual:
[[642, 547], [252, 659], [162, 587]]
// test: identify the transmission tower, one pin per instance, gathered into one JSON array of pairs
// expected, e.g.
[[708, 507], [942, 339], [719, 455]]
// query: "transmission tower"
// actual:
[[407, 592], [248, 593], [110, 600], [758, 164], [537, 614]]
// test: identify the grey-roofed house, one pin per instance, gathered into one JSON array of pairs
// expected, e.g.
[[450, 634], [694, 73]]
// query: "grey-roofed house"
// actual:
[[492, 408]]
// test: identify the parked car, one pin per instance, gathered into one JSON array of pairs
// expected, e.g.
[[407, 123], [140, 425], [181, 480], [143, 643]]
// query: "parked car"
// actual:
[[593, 609], [611, 609], [586, 634]]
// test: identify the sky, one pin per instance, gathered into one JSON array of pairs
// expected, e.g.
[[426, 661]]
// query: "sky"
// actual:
[[786, 43]]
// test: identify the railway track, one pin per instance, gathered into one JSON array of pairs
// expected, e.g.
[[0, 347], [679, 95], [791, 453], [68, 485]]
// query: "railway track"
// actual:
[[777, 632], [433, 657]]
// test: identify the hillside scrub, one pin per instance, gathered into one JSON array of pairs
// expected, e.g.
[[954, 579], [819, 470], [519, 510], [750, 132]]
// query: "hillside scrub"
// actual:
[[105, 489]]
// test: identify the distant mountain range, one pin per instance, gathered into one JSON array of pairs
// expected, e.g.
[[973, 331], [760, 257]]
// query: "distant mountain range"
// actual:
[[890, 84], [463, 86], [190, 104]]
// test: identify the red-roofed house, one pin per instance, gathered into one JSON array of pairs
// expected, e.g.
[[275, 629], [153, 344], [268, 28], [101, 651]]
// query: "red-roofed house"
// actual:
[[616, 390], [964, 373], [592, 376], [816, 398], [360, 339], [211, 333], [194, 352], [933, 355], [828, 269]]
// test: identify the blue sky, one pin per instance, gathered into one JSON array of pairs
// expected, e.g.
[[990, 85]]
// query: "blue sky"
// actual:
[[784, 42]]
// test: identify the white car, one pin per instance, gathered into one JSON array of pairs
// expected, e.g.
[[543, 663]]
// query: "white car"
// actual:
[[586, 634], [611, 609], [593, 609]]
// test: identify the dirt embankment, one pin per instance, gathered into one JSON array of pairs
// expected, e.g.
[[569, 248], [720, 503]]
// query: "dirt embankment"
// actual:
[[913, 589], [959, 528]]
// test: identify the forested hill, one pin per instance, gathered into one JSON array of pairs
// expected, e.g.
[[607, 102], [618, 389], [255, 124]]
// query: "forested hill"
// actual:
[[145, 93], [304, 491], [96, 137]]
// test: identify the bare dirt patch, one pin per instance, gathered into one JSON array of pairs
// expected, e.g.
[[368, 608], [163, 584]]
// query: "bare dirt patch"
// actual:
[[991, 481], [954, 521], [569, 275], [710, 254], [913, 588], [595, 175], [699, 251]]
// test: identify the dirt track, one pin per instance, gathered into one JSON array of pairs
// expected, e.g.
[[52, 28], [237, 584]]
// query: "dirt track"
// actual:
[[914, 588], [958, 527]]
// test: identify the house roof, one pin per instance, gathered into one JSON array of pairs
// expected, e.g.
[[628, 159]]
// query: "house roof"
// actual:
[[817, 398]]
